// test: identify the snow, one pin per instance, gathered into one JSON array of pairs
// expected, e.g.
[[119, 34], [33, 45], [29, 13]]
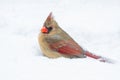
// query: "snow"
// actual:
[[94, 24]]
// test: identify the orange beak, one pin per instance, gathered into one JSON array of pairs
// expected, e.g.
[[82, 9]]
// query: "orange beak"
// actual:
[[44, 30]]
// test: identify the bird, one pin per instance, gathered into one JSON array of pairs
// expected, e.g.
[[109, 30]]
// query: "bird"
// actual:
[[55, 42]]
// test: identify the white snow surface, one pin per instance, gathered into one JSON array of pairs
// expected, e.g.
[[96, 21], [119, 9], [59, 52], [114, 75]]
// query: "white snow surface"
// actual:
[[94, 24]]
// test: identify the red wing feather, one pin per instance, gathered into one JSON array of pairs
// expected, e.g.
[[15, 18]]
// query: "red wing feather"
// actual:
[[67, 48]]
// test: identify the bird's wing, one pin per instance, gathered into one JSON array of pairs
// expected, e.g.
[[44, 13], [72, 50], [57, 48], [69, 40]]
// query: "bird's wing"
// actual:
[[69, 47]]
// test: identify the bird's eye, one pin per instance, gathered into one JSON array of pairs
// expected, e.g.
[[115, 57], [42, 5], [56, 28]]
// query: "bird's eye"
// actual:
[[49, 29]]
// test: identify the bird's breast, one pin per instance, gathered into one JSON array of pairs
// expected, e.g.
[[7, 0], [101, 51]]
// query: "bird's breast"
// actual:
[[53, 39]]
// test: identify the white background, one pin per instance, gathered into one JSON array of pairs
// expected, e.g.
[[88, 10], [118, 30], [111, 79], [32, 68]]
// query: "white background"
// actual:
[[94, 24]]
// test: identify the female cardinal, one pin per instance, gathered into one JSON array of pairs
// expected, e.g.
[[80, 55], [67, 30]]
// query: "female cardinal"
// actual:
[[55, 42]]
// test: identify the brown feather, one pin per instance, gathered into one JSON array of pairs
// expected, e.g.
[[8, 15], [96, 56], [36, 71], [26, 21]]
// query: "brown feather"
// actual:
[[69, 48]]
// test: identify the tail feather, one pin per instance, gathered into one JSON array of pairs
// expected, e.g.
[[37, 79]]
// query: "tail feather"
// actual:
[[99, 58]]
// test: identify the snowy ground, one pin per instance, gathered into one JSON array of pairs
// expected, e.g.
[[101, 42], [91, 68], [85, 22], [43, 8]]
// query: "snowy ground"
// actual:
[[94, 24]]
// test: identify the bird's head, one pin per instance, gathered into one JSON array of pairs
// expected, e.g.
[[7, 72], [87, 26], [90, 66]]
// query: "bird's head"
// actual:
[[50, 25]]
